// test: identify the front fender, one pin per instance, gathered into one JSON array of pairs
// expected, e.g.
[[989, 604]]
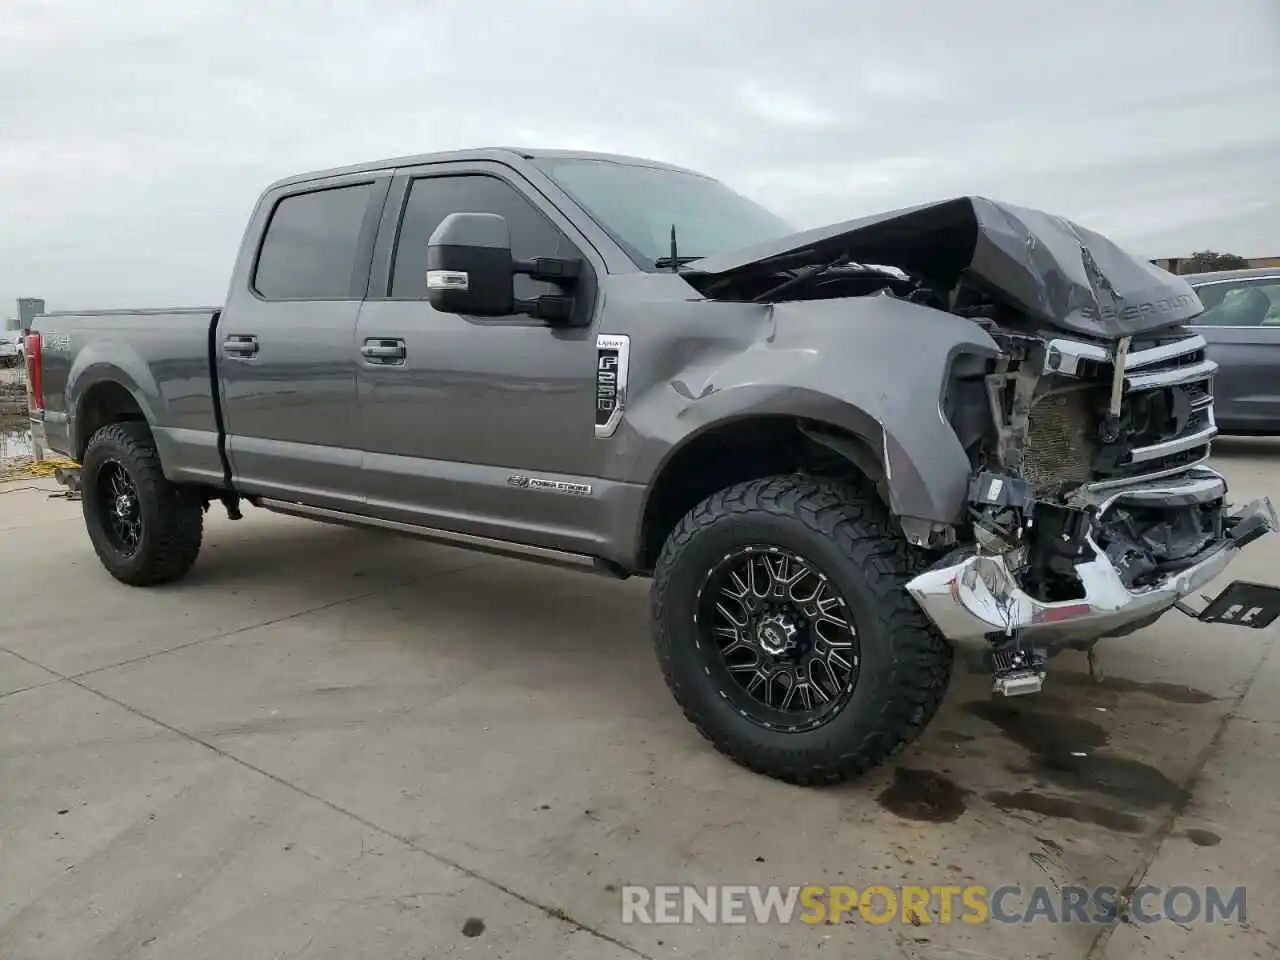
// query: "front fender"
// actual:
[[876, 367]]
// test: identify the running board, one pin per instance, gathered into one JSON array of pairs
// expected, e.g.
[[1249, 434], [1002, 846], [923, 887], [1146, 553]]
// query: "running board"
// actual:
[[449, 538]]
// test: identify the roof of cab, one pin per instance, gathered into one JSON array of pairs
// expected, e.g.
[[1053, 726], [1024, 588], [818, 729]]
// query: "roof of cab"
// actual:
[[500, 154], [1253, 273]]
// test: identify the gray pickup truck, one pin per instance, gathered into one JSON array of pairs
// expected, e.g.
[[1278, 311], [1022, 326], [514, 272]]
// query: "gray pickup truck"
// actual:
[[838, 453]]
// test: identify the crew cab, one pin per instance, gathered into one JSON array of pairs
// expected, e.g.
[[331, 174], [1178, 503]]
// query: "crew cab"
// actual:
[[838, 452]]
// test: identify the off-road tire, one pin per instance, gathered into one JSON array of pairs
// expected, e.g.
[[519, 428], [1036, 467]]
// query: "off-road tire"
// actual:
[[905, 663], [172, 517]]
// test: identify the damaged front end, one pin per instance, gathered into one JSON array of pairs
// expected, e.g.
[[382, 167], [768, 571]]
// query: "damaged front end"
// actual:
[[1092, 512], [1089, 510]]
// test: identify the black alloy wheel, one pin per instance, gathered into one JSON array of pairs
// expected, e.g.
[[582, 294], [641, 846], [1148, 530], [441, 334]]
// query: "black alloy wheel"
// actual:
[[784, 636], [120, 505]]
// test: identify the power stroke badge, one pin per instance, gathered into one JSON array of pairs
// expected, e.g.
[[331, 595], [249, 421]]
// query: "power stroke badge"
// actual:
[[552, 486], [613, 359]]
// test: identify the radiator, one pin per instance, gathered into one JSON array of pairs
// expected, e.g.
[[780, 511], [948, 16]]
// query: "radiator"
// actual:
[[1060, 442]]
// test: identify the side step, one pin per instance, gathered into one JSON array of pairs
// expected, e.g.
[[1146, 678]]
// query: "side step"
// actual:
[[450, 538]]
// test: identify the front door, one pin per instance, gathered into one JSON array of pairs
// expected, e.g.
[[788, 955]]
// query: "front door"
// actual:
[[285, 344], [458, 414]]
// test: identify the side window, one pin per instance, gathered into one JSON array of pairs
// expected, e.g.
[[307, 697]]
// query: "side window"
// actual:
[[309, 251], [1247, 304], [431, 199]]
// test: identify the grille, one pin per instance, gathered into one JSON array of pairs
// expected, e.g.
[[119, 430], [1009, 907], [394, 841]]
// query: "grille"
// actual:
[[1166, 405], [1169, 374], [1059, 448]]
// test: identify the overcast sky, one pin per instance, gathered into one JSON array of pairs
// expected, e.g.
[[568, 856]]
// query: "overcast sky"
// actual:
[[135, 135]]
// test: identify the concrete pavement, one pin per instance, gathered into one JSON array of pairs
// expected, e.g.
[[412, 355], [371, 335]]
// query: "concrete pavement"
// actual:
[[331, 742]]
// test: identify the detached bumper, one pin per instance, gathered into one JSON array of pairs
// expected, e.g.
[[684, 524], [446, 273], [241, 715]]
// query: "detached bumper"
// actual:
[[976, 595]]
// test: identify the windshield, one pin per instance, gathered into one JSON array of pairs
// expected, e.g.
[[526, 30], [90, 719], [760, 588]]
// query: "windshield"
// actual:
[[637, 206]]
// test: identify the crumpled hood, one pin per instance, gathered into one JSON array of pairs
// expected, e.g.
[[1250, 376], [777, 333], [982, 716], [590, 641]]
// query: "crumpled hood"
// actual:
[[1056, 271]]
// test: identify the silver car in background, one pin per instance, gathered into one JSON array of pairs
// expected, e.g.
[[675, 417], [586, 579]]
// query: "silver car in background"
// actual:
[[1241, 324]]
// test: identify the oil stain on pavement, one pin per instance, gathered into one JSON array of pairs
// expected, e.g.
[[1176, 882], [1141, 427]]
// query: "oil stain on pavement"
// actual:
[[1168, 692], [1065, 808], [923, 795], [1065, 751], [1202, 838]]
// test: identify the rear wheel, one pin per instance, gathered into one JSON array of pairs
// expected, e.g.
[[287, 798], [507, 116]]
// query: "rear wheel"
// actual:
[[785, 631], [145, 530]]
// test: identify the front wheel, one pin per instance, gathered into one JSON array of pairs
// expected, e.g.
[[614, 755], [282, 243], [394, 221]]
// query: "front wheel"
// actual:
[[785, 632], [145, 529]]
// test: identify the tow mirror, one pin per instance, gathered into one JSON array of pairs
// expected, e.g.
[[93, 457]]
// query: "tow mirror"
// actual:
[[470, 270]]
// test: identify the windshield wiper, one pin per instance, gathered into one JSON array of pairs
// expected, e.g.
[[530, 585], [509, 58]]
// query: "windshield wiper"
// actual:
[[800, 276], [664, 263]]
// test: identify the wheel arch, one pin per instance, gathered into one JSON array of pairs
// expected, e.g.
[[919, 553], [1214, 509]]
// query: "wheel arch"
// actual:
[[745, 448], [103, 402], [108, 383]]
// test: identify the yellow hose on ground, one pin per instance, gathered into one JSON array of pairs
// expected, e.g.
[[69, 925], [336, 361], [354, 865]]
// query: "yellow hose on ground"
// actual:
[[32, 469]]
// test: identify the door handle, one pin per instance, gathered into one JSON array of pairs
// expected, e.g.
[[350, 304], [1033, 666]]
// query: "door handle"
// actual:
[[383, 351], [240, 345]]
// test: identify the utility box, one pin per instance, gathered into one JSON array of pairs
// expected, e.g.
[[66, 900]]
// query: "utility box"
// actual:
[[28, 309]]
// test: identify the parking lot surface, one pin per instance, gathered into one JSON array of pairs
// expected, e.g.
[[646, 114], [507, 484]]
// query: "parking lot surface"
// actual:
[[337, 743]]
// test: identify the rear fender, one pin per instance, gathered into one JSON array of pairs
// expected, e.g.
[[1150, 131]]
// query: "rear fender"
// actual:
[[109, 361]]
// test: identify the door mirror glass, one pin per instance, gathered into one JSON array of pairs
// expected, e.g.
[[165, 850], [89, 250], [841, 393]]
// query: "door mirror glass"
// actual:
[[469, 266]]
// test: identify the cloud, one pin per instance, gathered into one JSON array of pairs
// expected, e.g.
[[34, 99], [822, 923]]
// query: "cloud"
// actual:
[[136, 135], [787, 108]]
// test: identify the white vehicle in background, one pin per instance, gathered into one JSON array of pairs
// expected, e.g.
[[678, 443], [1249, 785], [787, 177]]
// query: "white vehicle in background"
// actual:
[[11, 348]]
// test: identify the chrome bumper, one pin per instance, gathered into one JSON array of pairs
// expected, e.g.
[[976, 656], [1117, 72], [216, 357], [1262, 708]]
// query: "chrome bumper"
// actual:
[[976, 595]]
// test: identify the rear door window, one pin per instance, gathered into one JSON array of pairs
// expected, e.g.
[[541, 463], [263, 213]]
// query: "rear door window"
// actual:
[[311, 244]]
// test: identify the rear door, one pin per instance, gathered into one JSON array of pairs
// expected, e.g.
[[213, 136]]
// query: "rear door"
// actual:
[[464, 412], [1241, 323], [285, 344]]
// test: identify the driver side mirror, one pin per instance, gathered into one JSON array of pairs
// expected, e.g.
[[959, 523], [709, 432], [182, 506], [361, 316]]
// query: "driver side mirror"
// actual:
[[470, 270]]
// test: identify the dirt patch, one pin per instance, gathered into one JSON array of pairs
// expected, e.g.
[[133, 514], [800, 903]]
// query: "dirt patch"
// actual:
[[13, 404]]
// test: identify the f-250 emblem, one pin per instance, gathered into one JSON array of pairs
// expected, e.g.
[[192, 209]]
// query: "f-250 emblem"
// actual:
[[613, 360]]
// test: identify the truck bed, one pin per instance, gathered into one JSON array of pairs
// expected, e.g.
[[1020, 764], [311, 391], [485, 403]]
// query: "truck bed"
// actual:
[[160, 357]]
